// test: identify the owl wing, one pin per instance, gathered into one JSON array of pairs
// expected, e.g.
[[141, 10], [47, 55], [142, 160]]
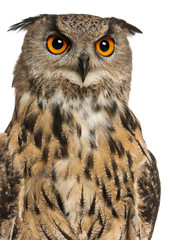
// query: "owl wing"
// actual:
[[145, 206], [8, 190], [147, 197]]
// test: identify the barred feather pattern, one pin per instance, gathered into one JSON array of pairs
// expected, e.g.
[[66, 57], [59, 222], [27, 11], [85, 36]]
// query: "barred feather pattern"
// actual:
[[76, 169]]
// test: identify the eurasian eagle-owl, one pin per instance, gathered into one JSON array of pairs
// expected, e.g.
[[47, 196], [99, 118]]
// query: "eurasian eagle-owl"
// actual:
[[73, 162]]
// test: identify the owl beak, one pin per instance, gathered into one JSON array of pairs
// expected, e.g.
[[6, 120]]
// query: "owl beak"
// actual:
[[83, 65]]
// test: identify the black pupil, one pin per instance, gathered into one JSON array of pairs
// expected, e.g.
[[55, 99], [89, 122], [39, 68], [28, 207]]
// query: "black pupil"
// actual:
[[104, 45], [57, 43]]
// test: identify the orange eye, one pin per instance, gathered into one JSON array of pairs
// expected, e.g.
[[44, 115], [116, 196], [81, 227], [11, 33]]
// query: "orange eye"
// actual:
[[105, 46], [57, 44]]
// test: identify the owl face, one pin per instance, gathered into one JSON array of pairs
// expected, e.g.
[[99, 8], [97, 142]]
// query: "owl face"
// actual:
[[75, 52]]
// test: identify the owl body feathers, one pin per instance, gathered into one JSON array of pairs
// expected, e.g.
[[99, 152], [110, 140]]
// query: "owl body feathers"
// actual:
[[73, 161]]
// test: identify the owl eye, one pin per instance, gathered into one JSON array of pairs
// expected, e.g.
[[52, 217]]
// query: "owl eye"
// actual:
[[57, 44], [105, 46]]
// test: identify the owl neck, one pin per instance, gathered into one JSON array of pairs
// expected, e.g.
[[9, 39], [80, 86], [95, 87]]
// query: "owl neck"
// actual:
[[84, 104]]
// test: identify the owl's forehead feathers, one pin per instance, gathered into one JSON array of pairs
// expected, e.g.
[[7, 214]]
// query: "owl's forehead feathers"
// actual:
[[83, 26], [77, 25]]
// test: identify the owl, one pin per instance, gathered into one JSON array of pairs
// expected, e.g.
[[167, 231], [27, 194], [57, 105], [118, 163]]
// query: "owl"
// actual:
[[73, 162]]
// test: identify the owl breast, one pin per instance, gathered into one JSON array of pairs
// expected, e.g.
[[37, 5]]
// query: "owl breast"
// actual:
[[77, 167]]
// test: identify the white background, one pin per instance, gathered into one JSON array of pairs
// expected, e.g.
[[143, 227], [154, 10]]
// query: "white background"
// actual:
[[150, 97]]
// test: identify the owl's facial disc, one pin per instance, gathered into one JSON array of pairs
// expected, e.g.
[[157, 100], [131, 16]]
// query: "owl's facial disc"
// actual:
[[83, 65]]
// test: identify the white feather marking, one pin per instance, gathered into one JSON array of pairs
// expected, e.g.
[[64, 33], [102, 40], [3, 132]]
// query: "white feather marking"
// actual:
[[62, 73], [61, 166], [83, 236], [95, 77], [25, 97], [12, 228], [21, 197], [82, 112], [23, 101]]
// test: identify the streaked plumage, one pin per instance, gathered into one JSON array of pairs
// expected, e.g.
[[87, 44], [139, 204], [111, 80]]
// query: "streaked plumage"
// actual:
[[73, 161]]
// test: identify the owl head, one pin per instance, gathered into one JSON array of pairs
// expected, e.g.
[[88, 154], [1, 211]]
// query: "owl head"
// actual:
[[74, 56]]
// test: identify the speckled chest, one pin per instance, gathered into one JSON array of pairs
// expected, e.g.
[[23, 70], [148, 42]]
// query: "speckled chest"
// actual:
[[76, 163]]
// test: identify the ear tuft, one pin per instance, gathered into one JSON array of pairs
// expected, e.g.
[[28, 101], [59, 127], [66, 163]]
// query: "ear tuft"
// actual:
[[130, 29], [23, 25]]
